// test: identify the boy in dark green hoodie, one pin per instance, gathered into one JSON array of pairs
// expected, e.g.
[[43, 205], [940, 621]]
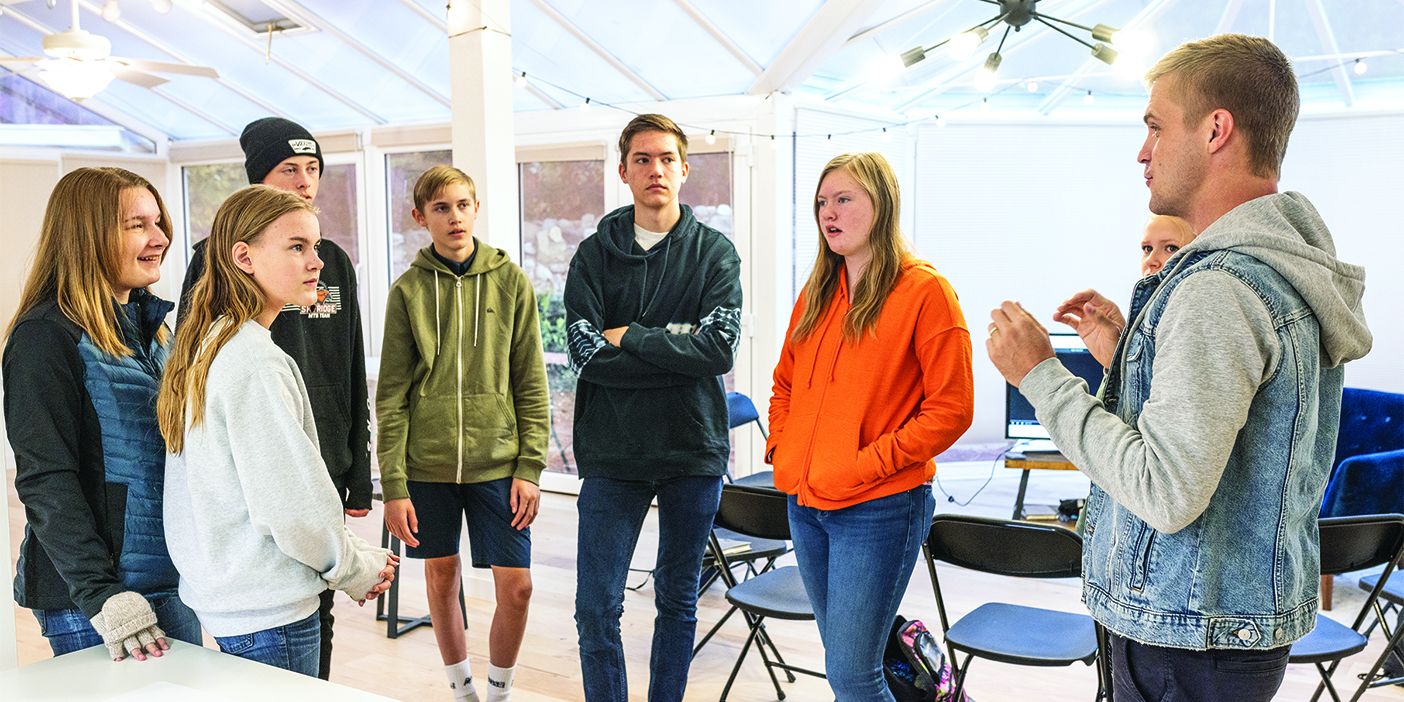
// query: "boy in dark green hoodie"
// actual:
[[653, 311], [463, 414]]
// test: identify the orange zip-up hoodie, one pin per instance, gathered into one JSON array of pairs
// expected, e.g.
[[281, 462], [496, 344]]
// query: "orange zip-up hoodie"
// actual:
[[854, 422]]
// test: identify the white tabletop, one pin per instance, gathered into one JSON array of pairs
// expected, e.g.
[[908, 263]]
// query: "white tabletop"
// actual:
[[90, 676]]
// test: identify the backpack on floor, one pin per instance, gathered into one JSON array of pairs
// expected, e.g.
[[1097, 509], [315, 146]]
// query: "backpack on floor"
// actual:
[[914, 666]]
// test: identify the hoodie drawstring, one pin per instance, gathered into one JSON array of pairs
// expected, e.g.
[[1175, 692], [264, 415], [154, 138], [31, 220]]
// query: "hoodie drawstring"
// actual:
[[478, 313], [438, 340]]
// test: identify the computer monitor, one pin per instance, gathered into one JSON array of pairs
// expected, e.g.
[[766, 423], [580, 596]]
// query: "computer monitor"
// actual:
[[1020, 422]]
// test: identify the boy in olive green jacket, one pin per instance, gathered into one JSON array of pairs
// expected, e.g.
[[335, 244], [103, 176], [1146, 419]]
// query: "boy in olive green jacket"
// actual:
[[463, 411]]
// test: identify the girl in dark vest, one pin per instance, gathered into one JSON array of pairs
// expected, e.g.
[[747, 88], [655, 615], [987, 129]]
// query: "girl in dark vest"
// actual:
[[82, 368]]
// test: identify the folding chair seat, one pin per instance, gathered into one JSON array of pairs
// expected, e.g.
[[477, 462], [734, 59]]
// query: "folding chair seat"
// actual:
[[1011, 633], [778, 593], [1350, 544]]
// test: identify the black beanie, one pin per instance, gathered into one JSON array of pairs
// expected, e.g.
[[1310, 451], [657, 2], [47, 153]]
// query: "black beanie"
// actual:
[[269, 141]]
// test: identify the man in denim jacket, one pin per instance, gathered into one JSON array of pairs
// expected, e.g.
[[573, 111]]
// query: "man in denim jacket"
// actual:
[[1211, 442]]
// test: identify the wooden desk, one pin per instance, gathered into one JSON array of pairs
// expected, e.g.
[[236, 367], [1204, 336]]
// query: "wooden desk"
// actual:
[[1043, 461], [90, 676]]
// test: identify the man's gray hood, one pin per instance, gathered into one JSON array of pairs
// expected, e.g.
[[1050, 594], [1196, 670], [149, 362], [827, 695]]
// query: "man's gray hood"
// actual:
[[1285, 232]]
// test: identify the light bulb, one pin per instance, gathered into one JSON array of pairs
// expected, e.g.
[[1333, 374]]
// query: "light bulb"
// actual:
[[1033, 86], [962, 46], [829, 141], [885, 136], [161, 6], [712, 137], [985, 77], [984, 103], [1360, 67], [521, 80], [1130, 66], [1133, 41], [1088, 99], [111, 12], [940, 121], [774, 144], [585, 106]]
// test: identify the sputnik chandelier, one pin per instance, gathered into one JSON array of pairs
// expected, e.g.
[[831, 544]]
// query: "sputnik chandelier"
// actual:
[[1017, 13]]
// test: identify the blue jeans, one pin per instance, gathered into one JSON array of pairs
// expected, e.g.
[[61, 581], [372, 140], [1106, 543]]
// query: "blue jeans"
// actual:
[[611, 515], [1145, 673], [70, 630], [855, 563], [296, 647]]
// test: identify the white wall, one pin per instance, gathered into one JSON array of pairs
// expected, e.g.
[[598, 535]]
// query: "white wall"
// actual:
[[1035, 212]]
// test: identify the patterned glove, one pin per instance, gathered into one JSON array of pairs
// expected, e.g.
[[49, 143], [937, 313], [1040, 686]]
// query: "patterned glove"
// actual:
[[127, 624]]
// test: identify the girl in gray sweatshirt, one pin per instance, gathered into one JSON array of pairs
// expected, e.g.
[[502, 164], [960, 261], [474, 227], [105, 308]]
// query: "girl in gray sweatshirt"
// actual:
[[253, 522]]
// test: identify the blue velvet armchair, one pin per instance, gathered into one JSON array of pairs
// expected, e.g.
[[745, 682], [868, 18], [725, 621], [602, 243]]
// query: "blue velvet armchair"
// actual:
[[1368, 474]]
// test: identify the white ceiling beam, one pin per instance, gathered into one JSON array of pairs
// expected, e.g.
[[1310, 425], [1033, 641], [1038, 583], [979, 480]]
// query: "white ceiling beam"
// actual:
[[599, 50], [1328, 45], [428, 16], [1018, 42], [291, 7], [820, 38], [223, 23], [889, 24], [1230, 15], [539, 94], [1147, 15], [173, 53], [720, 36]]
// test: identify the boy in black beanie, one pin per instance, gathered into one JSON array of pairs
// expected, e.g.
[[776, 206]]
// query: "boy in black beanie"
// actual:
[[325, 338]]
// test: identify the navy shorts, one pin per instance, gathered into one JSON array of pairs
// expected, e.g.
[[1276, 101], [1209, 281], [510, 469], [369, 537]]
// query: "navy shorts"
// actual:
[[492, 540]]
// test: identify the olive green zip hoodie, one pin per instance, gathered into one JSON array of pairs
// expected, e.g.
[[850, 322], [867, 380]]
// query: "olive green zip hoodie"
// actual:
[[462, 394]]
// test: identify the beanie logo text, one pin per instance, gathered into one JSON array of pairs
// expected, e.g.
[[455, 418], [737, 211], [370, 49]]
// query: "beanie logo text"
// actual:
[[303, 146]]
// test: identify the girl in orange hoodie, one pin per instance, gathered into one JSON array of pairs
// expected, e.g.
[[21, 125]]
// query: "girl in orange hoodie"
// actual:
[[874, 380]]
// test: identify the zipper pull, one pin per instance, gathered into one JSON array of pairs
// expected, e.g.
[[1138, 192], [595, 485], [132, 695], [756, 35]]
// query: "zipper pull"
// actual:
[[458, 283]]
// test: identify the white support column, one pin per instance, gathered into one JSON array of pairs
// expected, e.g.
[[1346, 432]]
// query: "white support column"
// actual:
[[480, 58]]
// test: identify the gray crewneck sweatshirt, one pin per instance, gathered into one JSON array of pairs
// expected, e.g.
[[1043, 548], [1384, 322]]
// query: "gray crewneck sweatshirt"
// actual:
[[1215, 346], [253, 522]]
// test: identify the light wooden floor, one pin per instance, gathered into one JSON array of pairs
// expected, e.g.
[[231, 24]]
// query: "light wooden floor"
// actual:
[[409, 668]]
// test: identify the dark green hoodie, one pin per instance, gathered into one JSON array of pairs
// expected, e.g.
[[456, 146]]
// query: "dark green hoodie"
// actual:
[[653, 407], [462, 394]]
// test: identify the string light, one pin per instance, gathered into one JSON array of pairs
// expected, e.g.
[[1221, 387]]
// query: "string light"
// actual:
[[585, 106], [829, 141], [1088, 99], [774, 145], [1033, 86], [940, 121], [521, 80], [712, 137], [1361, 67], [885, 136], [984, 103]]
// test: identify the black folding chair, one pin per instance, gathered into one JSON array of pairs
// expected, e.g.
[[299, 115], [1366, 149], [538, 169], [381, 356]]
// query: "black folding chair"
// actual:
[[779, 593], [741, 411], [1011, 633], [1392, 597], [1350, 544]]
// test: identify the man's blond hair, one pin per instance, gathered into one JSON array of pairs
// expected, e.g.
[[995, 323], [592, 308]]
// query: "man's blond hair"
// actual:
[[1247, 76]]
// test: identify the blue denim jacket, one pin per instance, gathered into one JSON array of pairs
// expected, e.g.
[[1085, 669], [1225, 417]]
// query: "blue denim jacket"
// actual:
[[1245, 573]]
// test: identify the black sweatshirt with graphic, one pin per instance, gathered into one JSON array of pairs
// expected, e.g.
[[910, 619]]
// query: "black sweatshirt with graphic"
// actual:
[[653, 407]]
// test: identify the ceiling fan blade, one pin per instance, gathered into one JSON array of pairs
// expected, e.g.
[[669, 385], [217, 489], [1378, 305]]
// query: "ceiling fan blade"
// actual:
[[135, 77], [160, 67], [20, 59]]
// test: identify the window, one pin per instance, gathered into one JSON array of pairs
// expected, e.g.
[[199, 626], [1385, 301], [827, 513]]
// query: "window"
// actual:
[[401, 173], [207, 187], [561, 203]]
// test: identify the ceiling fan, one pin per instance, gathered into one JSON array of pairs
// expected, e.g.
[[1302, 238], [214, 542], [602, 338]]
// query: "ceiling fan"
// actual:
[[82, 64]]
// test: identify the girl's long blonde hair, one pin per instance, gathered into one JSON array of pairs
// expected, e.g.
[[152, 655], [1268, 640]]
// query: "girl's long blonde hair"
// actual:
[[875, 175], [80, 253], [223, 294]]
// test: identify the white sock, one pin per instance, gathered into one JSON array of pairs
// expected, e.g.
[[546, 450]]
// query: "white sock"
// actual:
[[461, 681], [499, 687]]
